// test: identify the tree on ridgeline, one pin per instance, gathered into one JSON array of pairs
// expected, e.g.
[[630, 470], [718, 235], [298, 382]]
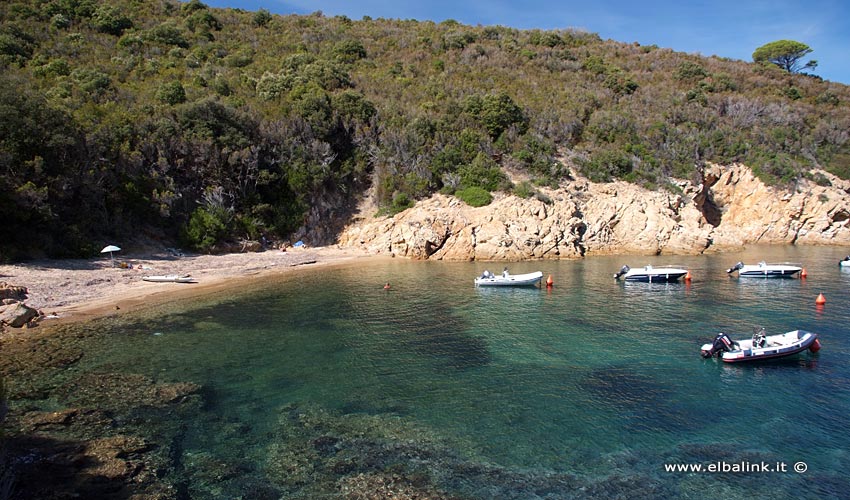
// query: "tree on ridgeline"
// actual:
[[786, 54]]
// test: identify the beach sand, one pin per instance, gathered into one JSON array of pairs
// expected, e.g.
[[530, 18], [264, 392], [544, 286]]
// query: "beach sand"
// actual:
[[77, 289]]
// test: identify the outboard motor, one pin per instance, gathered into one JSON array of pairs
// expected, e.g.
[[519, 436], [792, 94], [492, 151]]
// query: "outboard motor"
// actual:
[[722, 343], [623, 271], [736, 267]]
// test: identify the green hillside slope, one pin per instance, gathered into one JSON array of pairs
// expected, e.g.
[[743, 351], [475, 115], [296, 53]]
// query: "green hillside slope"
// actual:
[[135, 119]]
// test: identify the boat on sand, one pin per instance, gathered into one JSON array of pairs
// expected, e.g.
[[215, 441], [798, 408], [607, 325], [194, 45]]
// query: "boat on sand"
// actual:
[[169, 278]]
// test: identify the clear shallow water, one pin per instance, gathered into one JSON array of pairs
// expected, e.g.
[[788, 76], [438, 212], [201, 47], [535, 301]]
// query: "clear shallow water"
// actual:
[[594, 378]]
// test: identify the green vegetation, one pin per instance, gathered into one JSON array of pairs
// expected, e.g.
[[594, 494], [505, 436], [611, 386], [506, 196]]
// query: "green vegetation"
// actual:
[[786, 54], [185, 123], [475, 196]]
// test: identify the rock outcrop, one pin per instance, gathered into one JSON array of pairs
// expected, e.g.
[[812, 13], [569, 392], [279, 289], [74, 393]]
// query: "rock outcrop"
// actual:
[[730, 208], [13, 312]]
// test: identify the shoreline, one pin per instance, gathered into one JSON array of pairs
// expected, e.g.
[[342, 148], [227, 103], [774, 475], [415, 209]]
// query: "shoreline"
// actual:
[[76, 290]]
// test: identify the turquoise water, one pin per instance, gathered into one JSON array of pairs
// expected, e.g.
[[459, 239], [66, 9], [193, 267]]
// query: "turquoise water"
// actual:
[[594, 381]]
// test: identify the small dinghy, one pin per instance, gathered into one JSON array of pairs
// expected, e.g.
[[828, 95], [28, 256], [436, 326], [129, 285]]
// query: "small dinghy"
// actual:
[[507, 279], [649, 274], [169, 278], [845, 262], [760, 347], [765, 270]]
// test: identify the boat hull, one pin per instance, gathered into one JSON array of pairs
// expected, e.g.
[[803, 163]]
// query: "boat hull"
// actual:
[[777, 347], [656, 277], [529, 279], [651, 274], [769, 273], [763, 270], [170, 278]]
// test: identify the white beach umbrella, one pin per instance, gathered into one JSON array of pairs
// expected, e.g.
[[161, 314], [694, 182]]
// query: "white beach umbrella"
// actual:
[[110, 249]]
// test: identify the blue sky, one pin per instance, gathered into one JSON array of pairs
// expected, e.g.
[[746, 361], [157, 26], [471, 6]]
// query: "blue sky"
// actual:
[[725, 28]]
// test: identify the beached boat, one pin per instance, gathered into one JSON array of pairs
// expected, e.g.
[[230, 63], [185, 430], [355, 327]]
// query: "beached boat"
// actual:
[[845, 262], [765, 270], [760, 347], [650, 274], [169, 278], [507, 279]]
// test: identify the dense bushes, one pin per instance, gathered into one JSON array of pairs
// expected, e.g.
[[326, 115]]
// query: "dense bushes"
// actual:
[[118, 120]]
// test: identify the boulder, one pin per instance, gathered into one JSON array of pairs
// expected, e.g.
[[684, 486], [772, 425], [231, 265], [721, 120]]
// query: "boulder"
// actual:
[[17, 315], [7, 291]]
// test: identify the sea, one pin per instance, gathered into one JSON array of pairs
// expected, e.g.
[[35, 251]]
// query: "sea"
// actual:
[[319, 384]]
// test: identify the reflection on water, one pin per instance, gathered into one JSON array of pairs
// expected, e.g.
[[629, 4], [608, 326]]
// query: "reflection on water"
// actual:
[[324, 378]]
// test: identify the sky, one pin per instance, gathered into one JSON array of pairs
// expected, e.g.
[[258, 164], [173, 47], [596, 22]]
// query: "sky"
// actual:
[[725, 28]]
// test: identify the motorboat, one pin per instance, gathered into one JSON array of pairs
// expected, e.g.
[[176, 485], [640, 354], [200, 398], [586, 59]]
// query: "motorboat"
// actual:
[[169, 278], [760, 347], [650, 274], [845, 262], [506, 279], [765, 270]]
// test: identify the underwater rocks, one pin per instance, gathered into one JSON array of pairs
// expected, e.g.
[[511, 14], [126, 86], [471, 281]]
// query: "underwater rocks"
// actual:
[[120, 391], [319, 453]]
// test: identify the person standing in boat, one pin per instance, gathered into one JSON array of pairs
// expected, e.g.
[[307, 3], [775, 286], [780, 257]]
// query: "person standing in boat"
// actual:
[[505, 273]]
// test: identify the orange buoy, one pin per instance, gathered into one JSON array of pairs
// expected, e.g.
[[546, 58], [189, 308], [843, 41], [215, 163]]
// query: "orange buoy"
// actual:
[[815, 347], [821, 300], [688, 276], [803, 273], [549, 281]]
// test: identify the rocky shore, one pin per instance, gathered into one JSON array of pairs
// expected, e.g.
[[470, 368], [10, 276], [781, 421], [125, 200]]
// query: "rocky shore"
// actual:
[[729, 208]]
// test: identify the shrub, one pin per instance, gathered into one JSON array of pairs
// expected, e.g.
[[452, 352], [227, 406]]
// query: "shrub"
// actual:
[[524, 190], [483, 172], [262, 18], [690, 71], [171, 93], [475, 196], [206, 228], [109, 19], [606, 165]]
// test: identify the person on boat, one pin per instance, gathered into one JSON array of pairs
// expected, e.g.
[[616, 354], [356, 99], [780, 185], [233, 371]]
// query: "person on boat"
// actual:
[[505, 273], [759, 338], [486, 274]]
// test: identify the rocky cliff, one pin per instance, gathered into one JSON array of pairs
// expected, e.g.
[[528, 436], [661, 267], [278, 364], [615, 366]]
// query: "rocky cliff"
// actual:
[[729, 208]]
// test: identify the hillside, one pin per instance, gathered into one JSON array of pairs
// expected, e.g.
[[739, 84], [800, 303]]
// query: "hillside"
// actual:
[[168, 121]]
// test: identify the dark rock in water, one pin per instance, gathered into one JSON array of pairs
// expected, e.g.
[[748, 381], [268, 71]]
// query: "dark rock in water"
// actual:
[[111, 467], [318, 453], [122, 391], [642, 398]]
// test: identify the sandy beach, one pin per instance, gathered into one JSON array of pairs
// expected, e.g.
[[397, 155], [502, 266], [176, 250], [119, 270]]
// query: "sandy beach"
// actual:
[[80, 289]]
